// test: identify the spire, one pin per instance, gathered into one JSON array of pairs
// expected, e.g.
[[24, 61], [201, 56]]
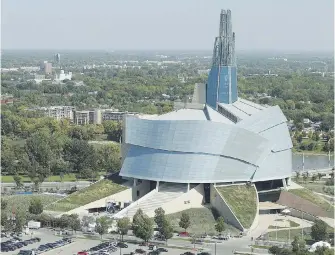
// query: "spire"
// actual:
[[224, 46]]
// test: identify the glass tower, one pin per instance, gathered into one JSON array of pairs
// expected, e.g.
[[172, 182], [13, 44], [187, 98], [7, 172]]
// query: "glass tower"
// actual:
[[222, 79]]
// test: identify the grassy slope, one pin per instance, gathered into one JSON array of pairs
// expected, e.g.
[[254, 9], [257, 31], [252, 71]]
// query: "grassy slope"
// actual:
[[23, 201], [242, 201], [314, 198], [202, 221], [87, 195]]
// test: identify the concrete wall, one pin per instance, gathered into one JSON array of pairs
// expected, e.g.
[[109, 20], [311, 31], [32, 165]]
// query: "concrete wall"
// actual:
[[143, 189], [218, 202], [256, 220], [299, 214], [125, 195], [124, 211], [191, 199]]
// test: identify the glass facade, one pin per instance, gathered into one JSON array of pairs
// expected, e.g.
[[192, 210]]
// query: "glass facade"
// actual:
[[227, 90]]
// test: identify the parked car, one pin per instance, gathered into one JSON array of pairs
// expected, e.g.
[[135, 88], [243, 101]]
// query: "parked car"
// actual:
[[161, 249], [122, 245], [184, 234], [140, 251]]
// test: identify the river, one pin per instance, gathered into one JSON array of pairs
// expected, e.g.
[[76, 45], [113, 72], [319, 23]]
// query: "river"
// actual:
[[312, 161]]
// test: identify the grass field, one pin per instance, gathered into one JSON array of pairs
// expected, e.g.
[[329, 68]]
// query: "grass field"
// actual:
[[314, 198], [22, 201], [242, 201], [283, 234], [53, 178], [202, 221], [87, 195], [292, 225]]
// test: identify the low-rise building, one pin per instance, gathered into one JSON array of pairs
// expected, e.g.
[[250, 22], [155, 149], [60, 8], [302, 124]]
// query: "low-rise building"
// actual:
[[59, 112], [87, 117]]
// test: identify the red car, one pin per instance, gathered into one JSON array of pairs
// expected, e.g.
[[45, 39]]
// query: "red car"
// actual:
[[82, 253], [184, 234]]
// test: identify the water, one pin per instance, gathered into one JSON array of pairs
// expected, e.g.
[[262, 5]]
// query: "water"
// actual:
[[312, 161]]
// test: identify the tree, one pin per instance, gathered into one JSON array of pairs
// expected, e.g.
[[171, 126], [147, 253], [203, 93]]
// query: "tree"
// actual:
[[138, 217], [20, 220], [74, 222], [219, 226], [36, 206], [297, 175], [323, 251], [144, 228], [3, 204], [6, 222], [166, 229], [298, 245], [18, 182], [319, 231], [81, 156], [185, 221], [87, 221], [102, 225], [313, 178], [274, 250], [319, 176], [305, 177], [123, 226], [63, 221], [159, 217]]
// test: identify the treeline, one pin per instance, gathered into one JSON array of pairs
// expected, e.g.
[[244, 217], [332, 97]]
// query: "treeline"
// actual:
[[298, 96], [39, 147]]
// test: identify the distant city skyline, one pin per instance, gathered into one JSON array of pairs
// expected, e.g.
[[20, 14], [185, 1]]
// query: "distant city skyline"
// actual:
[[260, 25]]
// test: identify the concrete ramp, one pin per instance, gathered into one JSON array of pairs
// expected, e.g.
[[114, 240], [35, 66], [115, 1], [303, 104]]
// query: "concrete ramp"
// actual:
[[172, 197]]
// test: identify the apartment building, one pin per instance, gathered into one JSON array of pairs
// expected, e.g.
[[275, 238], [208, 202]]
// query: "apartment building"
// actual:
[[59, 112], [87, 117]]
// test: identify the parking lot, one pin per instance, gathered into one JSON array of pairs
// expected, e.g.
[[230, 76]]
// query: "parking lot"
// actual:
[[44, 239], [78, 244], [85, 244]]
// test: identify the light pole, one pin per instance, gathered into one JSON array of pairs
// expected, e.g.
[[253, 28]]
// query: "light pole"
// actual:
[[302, 228]]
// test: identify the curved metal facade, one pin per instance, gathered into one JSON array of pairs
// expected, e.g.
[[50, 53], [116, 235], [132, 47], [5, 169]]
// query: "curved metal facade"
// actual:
[[201, 151]]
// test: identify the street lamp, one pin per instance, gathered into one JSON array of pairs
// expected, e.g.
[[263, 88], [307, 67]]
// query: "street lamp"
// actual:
[[285, 212]]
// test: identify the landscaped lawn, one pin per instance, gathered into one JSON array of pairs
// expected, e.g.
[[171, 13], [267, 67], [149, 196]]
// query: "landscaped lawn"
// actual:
[[283, 234], [242, 199], [202, 221], [314, 198], [15, 202], [87, 195]]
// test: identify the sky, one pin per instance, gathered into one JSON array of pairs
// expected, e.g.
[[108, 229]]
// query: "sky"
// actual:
[[280, 25]]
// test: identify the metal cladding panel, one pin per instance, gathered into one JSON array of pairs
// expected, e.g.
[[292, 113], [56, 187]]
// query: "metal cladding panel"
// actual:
[[224, 87], [158, 165], [211, 88], [245, 108], [216, 116], [198, 137], [252, 104], [234, 91], [279, 136], [199, 94], [277, 166], [263, 120], [248, 148], [235, 111]]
